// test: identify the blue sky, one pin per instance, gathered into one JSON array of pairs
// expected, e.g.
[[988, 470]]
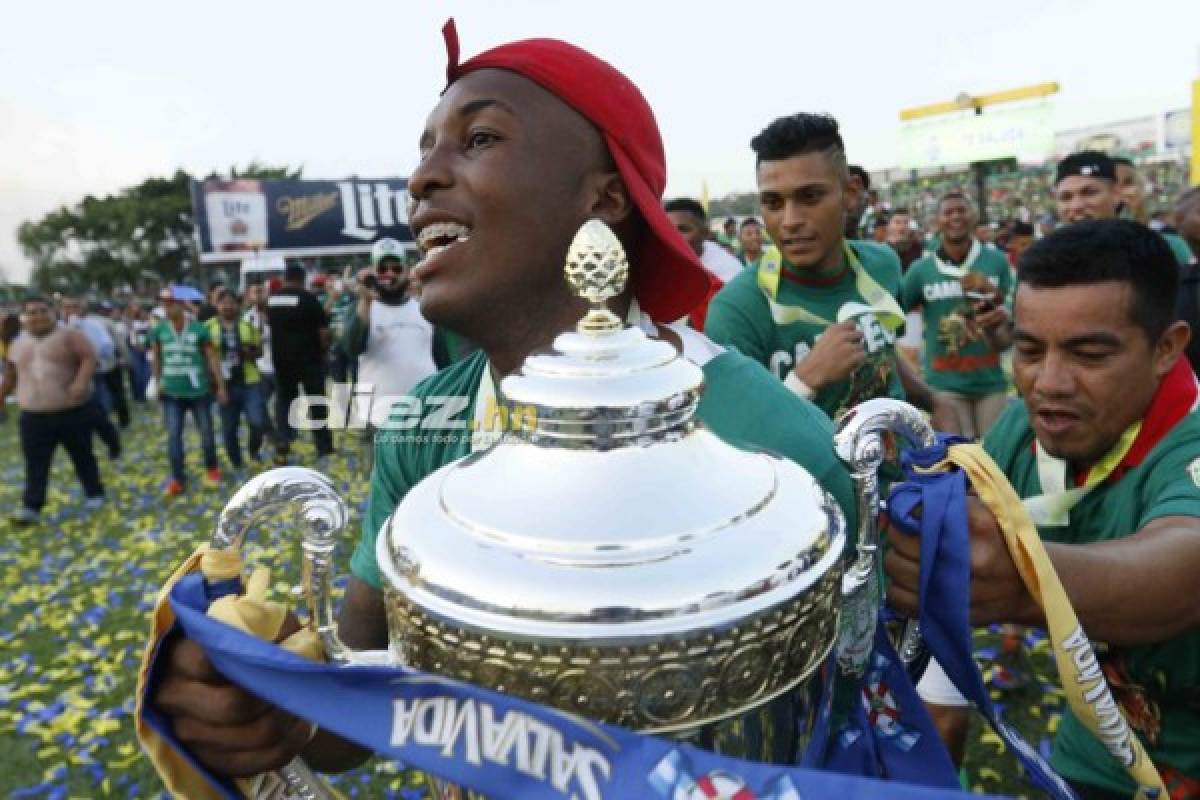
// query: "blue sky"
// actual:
[[95, 96]]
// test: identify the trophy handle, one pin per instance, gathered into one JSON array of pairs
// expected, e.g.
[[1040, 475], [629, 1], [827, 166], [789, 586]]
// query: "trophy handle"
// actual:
[[860, 445], [323, 517]]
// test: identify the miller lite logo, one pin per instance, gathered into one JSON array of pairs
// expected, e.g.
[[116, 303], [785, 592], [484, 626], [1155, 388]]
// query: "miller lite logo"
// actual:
[[368, 205]]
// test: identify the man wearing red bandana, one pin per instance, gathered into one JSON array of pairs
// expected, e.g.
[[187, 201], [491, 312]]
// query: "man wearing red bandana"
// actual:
[[529, 141], [1105, 452]]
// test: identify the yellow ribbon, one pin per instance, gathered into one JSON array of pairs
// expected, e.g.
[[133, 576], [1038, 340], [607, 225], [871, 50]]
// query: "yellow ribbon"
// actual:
[[1083, 682], [251, 612], [877, 299]]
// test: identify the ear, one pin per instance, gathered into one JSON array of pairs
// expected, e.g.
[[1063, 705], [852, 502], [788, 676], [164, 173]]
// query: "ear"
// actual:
[[610, 201], [1170, 346]]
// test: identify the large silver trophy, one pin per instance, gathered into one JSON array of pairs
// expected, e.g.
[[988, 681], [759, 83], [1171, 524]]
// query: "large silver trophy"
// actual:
[[611, 557]]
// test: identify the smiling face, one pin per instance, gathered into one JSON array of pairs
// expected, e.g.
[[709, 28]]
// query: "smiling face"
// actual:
[[1085, 368], [391, 274], [955, 220], [508, 173], [804, 205], [1081, 197]]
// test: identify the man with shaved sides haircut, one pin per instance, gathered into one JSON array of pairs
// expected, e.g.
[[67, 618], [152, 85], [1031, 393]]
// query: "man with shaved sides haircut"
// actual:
[[820, 312], [528, 141]]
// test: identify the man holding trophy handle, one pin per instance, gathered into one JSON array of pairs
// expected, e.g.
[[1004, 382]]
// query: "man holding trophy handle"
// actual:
[[528, 142]]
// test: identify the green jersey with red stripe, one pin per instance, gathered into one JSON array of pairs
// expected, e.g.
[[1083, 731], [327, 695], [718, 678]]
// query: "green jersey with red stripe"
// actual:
[[1158, 684]]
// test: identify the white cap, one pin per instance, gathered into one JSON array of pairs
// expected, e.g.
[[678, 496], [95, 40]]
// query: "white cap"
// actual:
[[386, 248]]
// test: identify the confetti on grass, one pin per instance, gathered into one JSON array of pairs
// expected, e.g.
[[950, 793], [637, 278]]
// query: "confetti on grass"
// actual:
[[78, 587]]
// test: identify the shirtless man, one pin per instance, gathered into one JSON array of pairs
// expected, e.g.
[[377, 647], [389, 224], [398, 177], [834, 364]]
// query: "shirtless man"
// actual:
[[51, 368]]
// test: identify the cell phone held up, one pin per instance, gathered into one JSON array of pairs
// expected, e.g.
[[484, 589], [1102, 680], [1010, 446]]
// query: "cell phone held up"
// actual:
[[981, 302]]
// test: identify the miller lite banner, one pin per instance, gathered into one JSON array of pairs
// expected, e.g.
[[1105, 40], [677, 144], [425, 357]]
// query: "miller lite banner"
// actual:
[[235, 218]]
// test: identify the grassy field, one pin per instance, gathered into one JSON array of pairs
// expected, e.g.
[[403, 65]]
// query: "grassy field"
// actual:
[[77, 589]]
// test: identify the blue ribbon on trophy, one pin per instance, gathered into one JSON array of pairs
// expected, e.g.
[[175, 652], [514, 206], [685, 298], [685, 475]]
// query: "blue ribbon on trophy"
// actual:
[[932, 505], [491, 742], [886, 730]]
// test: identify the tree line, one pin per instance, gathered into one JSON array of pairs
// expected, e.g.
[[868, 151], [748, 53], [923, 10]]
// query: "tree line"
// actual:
[[138, 235]]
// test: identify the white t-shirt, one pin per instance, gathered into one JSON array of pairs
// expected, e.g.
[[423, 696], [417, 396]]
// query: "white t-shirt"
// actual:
[[399, 350], [716, 259]]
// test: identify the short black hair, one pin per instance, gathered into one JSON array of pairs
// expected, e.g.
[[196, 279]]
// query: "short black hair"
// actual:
[[1123, 160], [748, 221], [881, 221], [36, 298], [855, 169], [955, 194], [1022, 228], [1103, 250], [294, 273], [798, 135], [688, 205], [730, 221]]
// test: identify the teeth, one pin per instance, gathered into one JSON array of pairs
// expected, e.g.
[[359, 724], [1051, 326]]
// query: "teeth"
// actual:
[[442, 230]]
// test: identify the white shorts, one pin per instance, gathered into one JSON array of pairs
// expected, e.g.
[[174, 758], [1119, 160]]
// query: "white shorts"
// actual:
[[936, 689]]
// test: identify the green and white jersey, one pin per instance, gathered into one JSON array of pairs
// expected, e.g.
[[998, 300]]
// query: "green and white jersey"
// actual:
[[740, 316], [1158, 684], [956, 356], [741, 404], [184, 370], [1183, 253], [339, 313]]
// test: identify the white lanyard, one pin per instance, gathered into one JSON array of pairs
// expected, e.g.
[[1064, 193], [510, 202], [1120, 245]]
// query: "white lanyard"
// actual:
[[955, 271], [877, 299], [1052, 508]]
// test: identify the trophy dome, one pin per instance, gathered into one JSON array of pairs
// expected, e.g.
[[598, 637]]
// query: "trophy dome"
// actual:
[[609, 555]]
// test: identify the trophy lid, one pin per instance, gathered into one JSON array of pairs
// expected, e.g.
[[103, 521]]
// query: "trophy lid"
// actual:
[[602, 385], [607, 512]]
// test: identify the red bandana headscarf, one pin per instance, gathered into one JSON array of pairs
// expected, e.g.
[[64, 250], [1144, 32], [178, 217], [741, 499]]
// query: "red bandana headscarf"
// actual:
[[669, 280]]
